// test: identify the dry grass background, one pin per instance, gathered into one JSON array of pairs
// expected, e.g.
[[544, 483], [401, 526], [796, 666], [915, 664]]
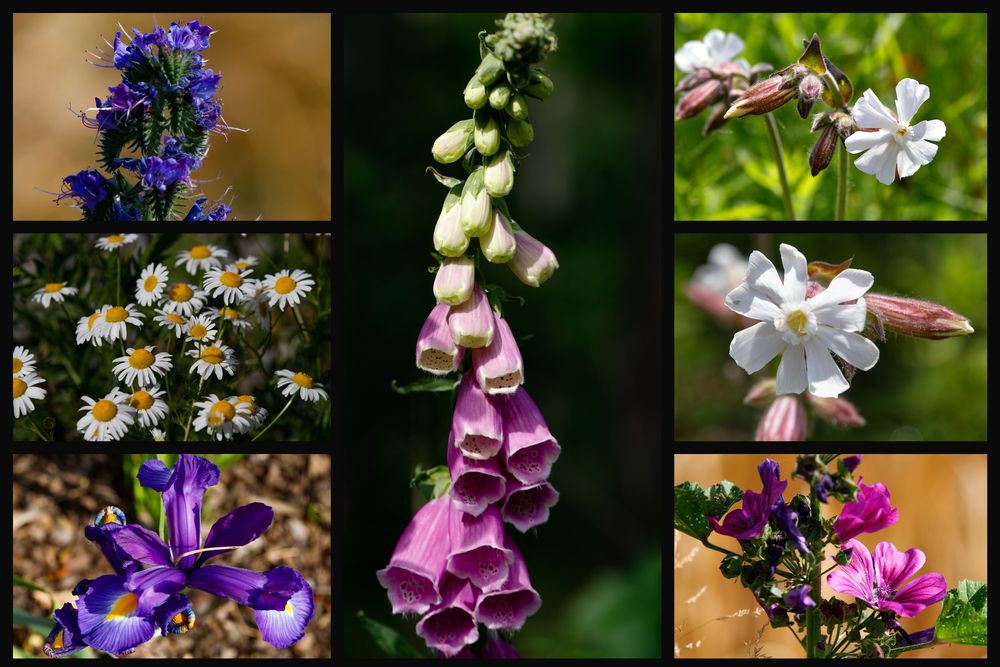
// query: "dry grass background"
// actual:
[[276, 81], [942, 511]]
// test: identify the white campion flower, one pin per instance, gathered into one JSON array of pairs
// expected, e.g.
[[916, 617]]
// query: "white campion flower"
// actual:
[[725, 269], [888, 137], [717, 48], [804, 331]]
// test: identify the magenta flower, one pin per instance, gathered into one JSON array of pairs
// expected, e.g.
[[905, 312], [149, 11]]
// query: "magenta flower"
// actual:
[[509, 607], [499, 367], [749, 522], [449, 626], [879, 580], [477, 550], [437, 352], [475, 484], [416, 570], [529, 448], [476, 424], [870, 513], [527, 505]]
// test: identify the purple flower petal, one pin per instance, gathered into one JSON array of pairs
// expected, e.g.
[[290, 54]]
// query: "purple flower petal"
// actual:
[[527, 505], [478, 553], [917, 595], [182, 498], [476, 424], [240, 527], [153, 586], [143, 545], [449, 626], [104, 537], [857, 578], [498, 366], [529, 448], [870, 513], [175, 615], [417, 567], [509, 607], [108, 616], [282, 628], [497, 649], [895, 566], [257, 590], [474, 484], [65, 638]]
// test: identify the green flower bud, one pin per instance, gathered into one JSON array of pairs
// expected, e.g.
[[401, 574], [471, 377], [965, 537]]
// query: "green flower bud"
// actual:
[[541, 85], [520, 132], [490, 69], [452, 145], [517, 107], [499, 95], [519, 79], [499, 245], [475, 217], [487, 132], [499, 175], [449, 239], [475, 94]]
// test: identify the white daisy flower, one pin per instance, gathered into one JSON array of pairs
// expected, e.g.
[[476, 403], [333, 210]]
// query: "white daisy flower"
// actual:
[[158, 435], [892, 144], [201, 328], [717, 48], [232, 316], [228, 283], [201, 257], [141, 366], [288, 288], [116, 241], [26, 389], [114, 320], [221, 417], [151, 283], [803, 330], [245, 262], [260, 295], [24, 362], [89, 329], [301, 384], [53, 292], [108, 418], [213, 359], [256, 415], [173, 321], [184, 299], [149, 407]]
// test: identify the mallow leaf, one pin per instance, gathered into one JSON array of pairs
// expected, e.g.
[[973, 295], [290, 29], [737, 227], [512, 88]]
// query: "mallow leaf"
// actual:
[[690, 501], [721, 497], [963, 615]]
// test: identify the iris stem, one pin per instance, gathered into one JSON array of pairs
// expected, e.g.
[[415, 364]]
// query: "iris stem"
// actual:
[[275, 419], [816, 582], [779, 159], [36, 428], [841, 182]]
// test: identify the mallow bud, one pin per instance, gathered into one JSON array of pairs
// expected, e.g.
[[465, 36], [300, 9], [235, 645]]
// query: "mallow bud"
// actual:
[[769, 94], [452, 145], [475, 94], [694, 79], [837, 411], [499, 175], [499, 96], [716, 119], [784, 421]]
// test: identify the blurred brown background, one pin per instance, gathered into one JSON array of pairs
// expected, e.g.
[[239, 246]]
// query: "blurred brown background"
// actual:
[[276, 82], [942, 511]]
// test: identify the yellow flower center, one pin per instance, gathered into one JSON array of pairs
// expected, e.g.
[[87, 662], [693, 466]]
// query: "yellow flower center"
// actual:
[[221, 412], [288, 607], [178, 619], [151, 283], [116, 314], [20, 386], [200, 252], [230, 279], [198, 331], [104, 410], [901, 132], [141, 358], [53, 287], [242, 265], [58, 643], [246, 398], [212, 355], [91, 319], [123, 606], [18, 365], [229, 313], [141, 400], [176, 319], [117, 238], [284, 285], [798, 322], [303, 380], [181, 292]]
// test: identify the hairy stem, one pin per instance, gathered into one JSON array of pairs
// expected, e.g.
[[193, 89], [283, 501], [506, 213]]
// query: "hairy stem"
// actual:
[[816, 582], [779, 158]]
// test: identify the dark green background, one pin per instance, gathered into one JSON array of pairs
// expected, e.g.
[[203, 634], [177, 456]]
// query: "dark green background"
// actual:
[[590, 189]]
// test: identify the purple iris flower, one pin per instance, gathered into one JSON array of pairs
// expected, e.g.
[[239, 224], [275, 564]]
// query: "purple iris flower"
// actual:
[[787, 520], [879, 580], [87, 186], [749, 522], [870, 513], [797, 600]]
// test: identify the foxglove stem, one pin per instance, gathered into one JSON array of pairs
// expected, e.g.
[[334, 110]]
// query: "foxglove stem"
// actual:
[[273, 421], [841, 182], [779, 158]]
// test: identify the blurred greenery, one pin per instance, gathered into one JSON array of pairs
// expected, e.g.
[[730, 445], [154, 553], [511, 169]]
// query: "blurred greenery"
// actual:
[[71, 371], [590, 189], [919, 389], [731, 174]]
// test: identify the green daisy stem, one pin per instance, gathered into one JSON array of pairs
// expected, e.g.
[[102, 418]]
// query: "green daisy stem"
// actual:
[[842, 183], [36, 428], [187, 428], [118, 286], [301, 323], [275, 419], [779, 159]]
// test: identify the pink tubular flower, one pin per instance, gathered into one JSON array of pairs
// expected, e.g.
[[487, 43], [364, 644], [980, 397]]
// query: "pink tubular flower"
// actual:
[[533, 263], [454, 280], [474, 484], [509, 607], [471, 323], [450, 626], [437, 352], [477, 548], [476, 424], [528, 445], [527, 505], [870, 513], [879, 580], [784, 421], [499, 367], [416, 570]]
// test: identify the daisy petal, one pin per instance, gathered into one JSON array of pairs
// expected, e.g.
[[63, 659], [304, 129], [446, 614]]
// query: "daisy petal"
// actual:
[[848, 317], [763, 277], [928, 130], [825, 378], [752, 348], [847, 286], [853, 348], [747, 301], [796, 273], [792, 371], [862, 141], [869, 112], [910, 94]]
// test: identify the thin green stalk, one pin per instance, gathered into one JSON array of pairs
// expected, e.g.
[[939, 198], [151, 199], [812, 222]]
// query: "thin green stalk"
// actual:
[[779, 158], [841, 182], [36, 428], [187, 428], [816, 582], [301, 323], [118, 286], [275, 419]]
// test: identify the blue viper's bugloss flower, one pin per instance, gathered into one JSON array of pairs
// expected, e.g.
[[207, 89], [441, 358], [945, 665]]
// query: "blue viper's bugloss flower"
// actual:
[[88, 186], [117, 612]]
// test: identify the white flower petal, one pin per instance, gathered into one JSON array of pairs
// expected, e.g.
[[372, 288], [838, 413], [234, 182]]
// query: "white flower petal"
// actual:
[[730, 46], [752, 348], [724, 254], [928, 130], [691, 56], [747, 301], [853, 348], [848, 317], [862, 141], [869, 112], [763, 277], [792, 373], [910, 94], [914, 155], [847, 286], [825, 378], [886, 173], [744, 64], [796, 273], [870, 161]]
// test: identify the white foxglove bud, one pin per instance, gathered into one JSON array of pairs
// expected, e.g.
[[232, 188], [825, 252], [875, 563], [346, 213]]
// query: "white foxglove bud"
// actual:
[[499, 174]]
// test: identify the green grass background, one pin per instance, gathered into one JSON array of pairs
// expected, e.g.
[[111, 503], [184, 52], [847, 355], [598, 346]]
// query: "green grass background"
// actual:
[[919, 389], [731, 175]]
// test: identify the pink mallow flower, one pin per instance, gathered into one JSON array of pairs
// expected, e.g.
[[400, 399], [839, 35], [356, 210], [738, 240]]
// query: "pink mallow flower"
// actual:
[[870, 513], [879, 580]]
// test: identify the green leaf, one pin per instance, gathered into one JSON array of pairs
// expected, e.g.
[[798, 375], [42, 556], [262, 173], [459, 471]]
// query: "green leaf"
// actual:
[[963, 615], [42, 626], [433, 482], [388, 639], [721, 497], [731, 566], [428, 385], [18, 581], [689, 510], [447, 181], [226, 460]]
